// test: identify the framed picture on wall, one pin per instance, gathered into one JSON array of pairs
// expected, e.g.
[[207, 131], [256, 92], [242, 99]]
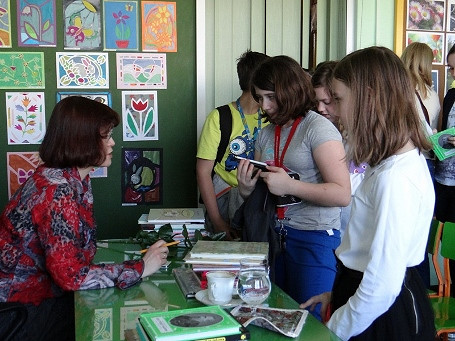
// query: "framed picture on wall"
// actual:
[[141, 71], [103, 97], [142, 176]]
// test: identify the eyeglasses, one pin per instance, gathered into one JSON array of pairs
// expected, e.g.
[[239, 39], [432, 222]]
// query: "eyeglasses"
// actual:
[[109, 135]]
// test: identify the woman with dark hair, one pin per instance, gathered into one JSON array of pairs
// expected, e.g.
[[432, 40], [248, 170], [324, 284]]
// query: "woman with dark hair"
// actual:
[[48, 230], [378, 294], [307, 172]]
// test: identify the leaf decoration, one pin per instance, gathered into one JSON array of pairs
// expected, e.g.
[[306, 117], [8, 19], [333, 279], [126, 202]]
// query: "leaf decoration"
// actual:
[[132, 124], [30, 31], [46, 25], [148, 124]]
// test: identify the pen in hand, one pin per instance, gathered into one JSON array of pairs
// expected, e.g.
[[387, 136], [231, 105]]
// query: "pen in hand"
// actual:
[[167, 244]]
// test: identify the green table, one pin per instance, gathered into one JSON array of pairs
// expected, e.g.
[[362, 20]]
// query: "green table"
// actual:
[[105, 314]]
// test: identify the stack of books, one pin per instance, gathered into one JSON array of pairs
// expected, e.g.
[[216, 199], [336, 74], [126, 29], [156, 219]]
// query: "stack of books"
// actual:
[[192, 218], [209, 255]]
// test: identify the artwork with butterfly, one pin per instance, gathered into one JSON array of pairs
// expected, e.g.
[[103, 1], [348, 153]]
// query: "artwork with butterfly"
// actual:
[[120, 25], [82, 24], [141, 70], [142, 176], [36, 23], [25, 117], [20, 165]]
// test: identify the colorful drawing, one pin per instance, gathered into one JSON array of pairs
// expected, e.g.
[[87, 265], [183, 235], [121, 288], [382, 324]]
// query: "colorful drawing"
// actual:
[[140, 115], [141, 70], [426, 15], [123, 16], [103, 97], [22, 70], [103, 325], [21, 165], [159, 26], [142, 176], [82, 19], [5, 23], [98, 172], [25, 114], [435, 41], [82, 70], [36, 23]]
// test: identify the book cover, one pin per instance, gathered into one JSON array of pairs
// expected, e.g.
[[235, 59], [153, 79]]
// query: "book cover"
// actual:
[[189, 324], [288, 322], [441, 147], [228, 249], [175, 215]]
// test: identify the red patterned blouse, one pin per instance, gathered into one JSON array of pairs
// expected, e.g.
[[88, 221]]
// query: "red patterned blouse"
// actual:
[[48, 241]]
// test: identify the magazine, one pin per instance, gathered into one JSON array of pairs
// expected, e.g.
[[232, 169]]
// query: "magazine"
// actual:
[[288, 322]]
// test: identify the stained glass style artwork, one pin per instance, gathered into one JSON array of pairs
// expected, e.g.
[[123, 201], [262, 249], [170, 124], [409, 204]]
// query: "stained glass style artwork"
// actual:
[[82, 70], [5, 23], [21, 165], [159, 26], [21, 70], [141, 70], [142, 176], [140, 115], [120, 25], [82, 24], [25, 116], [36, 23], [103, 97]]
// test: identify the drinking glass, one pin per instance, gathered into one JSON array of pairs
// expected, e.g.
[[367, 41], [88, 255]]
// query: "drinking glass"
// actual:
[[254, 283]]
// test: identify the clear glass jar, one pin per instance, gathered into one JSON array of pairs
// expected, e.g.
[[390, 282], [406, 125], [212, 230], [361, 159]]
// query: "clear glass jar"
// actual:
[[254, 284]]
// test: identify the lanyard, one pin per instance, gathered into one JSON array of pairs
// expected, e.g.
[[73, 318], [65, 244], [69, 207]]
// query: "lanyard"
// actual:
[[279, 158], [251, 137]]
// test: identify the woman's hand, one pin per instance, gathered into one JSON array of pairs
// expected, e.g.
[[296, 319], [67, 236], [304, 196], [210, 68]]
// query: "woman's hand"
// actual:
[[278, 181], [155, 256], [324, 299], [245, 178]]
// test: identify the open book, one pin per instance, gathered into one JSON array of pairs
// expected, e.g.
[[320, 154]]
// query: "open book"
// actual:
[[288, 322]]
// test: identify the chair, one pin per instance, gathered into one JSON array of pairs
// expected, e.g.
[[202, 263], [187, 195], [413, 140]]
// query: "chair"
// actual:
[[444, 307], [434, 240], [19, 320]]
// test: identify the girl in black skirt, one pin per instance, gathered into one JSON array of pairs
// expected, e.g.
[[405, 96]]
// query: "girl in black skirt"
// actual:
[[378, 295]]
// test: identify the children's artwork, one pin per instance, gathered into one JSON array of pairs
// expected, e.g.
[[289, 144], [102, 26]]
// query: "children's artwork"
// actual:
[[435, 79], [21, 70], [36, 23], [451, 16], [425, 15], [120, 25], [20, 166], [82, 70], [159, 26], [141, 70], [82, 24], [433, 40], [98, 172], [5, 23], [142, 176], [140, 115], [25, 116], [103, 97]]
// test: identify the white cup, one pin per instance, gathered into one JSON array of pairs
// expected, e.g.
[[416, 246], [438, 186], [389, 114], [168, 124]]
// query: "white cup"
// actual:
[[220, 285]]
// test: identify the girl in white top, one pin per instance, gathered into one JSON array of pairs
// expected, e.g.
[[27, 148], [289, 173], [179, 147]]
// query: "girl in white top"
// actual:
[[377, 294]]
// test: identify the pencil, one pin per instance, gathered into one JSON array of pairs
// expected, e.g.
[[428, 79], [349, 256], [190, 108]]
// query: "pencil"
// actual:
[[167, 244]]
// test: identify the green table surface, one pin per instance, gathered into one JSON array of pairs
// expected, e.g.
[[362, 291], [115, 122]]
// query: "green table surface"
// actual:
[[105, 314]]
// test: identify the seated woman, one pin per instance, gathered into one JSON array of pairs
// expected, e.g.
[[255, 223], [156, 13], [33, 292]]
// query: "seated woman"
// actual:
[[48, 230]]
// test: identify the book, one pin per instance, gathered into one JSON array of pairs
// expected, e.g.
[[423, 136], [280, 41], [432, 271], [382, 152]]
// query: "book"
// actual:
[[160, 216], [189, 324], [441, 147], [229, 250], [288, 322], [139, 334]]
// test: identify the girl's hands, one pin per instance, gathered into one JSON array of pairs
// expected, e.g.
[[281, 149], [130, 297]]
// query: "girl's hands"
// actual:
[[278, 181], [155, 256], [247, 176]]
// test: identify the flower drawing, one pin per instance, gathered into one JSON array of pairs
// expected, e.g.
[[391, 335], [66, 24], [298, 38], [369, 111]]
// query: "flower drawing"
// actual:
[[140, 118], [426, 15], [26, 119], [122, 30]]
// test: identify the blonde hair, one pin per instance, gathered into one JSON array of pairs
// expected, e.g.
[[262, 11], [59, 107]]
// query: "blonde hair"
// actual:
[[384, 114], [417, 59]]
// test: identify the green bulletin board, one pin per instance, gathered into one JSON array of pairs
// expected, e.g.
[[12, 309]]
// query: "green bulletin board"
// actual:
[[177, 125]]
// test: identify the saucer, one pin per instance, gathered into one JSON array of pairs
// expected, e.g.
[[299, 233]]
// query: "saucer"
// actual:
[[203, 297]]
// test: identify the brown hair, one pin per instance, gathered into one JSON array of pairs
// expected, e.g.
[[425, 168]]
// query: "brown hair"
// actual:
[[384, 115], [292, 86], [323, 74], [75, 133], [418, 58]]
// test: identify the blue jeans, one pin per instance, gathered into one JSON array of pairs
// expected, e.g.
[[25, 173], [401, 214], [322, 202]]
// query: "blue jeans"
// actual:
[[308, 265]]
